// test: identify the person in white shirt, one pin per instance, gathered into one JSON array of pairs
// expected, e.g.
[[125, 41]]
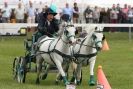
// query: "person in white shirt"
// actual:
[[67, 13], [96, 15], [31, 13], [130, 15], [6, 12], [19, 12]]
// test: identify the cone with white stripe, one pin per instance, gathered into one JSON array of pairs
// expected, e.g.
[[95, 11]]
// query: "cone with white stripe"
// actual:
[[102, 82]]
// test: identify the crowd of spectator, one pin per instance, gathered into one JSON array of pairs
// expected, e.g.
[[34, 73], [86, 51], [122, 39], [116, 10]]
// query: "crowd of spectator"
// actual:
[[116, 14], [29, 14]]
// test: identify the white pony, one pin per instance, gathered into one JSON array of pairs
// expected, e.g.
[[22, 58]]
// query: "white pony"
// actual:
[[85, 53], [55, 51]]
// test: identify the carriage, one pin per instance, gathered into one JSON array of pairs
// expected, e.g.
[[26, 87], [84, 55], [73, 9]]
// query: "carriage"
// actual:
[[57, 50], [51, 50], [25, 64]]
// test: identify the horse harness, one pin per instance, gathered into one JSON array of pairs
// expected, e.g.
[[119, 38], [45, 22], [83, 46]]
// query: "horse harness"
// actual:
[[88, 56], [54, 50]]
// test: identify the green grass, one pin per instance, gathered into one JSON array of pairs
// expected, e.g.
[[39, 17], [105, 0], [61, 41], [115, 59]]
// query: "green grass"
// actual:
[[117, 65]]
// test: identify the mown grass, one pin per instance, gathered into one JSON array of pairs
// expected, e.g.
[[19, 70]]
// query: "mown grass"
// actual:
[[117, 65]]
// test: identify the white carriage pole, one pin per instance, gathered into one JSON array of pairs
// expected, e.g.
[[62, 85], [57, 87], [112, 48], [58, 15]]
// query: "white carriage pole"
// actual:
[[130, 34], [19, 25], [2, 39]]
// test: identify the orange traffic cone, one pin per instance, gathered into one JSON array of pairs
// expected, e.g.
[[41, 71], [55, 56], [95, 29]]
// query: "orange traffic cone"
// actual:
[[105, 46], [102, 82]]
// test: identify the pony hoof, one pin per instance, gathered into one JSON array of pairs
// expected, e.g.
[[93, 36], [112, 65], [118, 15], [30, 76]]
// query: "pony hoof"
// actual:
[[44, 76], [92, 83], [37, 82], [78, 83], [56, 82], [67, 83], [72, 79]]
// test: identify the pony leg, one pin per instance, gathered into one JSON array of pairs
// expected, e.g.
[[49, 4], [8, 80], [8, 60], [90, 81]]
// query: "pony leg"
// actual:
[[74, 66], [44, 75], [59, 66], [39, 68], [59, 77], [78, 74], [92, 64]]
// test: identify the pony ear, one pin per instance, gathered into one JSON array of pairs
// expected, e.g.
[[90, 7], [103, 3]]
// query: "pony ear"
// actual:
[[99, 28], [95, 28], [65, 32], [64, 24], [103, 37], [71, 22], [68, 23]]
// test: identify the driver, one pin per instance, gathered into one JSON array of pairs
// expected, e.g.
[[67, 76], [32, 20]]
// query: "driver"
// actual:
[[47, 25]]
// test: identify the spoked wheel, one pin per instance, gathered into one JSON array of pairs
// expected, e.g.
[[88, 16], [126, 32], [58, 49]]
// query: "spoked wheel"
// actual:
[[19, 70], [15, 63]]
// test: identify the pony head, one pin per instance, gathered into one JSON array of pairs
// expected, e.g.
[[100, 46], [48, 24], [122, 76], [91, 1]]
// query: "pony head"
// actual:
[[69, 32], [98, 37]]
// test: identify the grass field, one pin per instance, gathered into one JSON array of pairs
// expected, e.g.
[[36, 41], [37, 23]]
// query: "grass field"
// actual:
[[117, 65]]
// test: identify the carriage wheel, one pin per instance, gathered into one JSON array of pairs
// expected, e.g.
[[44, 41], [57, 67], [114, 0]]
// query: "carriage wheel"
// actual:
[[15, 63], [19, 69], [81, 77]]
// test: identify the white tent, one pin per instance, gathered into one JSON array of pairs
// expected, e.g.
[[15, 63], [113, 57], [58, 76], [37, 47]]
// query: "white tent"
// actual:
[[109, 3], [82, 3]]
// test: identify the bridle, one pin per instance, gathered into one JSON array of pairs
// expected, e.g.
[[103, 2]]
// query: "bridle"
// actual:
[[90, 55], [67, 36], [94, 38]]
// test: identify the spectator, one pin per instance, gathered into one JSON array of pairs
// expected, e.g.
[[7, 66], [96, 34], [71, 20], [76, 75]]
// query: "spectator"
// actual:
[[36, 15], [13, 17], [88, 15], [130, 15], [75, 13], [67, 13], [0, 16], [120, 16], [118, 7], [124, 14], [31, 13], [41, 15], [103, 16], [21, 2], [19, 12], [113, 15], [96, 15], [6, 12], [44, 9]]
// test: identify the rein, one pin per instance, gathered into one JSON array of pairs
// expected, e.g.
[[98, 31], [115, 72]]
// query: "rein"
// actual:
[[54, 50], [88, 56]]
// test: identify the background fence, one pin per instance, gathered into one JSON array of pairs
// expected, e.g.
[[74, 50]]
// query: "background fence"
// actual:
[[14, 28]]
